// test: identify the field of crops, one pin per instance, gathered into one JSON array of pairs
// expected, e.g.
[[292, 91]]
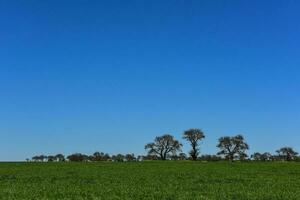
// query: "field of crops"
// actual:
[[149, 180]]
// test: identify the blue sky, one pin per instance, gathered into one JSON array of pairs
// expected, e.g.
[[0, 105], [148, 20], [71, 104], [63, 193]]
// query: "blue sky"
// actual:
[[81, 76]]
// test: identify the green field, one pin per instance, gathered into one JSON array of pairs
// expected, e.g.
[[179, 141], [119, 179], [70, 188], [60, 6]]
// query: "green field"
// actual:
[[149, 180]]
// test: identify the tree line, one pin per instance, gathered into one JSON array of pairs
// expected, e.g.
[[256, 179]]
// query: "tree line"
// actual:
[[166, 147]]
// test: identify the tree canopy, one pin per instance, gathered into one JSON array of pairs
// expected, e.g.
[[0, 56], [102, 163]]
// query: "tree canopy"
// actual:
[[163, 146], [193, 136], [287, 153], [233, 147]]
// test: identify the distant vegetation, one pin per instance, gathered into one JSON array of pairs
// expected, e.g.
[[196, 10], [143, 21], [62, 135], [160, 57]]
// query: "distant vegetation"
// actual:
[[166, 147]]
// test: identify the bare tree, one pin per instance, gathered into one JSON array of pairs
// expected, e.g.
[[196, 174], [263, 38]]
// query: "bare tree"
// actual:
[[233, 147], [163, 146], [193, 136]]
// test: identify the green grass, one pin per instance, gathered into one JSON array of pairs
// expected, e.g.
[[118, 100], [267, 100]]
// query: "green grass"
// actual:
[[150, 180]]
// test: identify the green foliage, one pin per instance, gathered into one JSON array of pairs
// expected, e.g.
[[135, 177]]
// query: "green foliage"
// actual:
[[169, 180]]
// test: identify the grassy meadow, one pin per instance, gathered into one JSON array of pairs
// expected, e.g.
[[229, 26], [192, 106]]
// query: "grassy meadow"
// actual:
[[150, 180]]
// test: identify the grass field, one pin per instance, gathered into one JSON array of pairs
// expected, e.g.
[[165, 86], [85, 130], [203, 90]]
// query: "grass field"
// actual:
[[149, 180]]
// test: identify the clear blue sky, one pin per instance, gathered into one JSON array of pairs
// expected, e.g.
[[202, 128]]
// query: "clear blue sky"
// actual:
[[81, 76]]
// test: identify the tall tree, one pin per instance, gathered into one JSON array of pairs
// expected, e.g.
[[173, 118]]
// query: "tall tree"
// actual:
[[233, 147], [193, 136], [163, 146], [287, 153]]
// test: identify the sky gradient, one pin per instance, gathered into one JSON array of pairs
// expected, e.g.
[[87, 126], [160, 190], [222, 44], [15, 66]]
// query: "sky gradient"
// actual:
[[86, 76]]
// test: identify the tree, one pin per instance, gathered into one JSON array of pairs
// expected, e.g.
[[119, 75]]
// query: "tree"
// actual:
[[51, 158], [100, 156], [77, 157], [210, 158], [233, 147], [130, 157], [39, 158], [267, 156], [163, 146], [150, 157], [35, 158], [256, 156], [297, 159], [118, 158], [193, 136], [182, 156], [60, 158], [287, 153], [262, 156], [174, 157], [139, 158], [42, 158]]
